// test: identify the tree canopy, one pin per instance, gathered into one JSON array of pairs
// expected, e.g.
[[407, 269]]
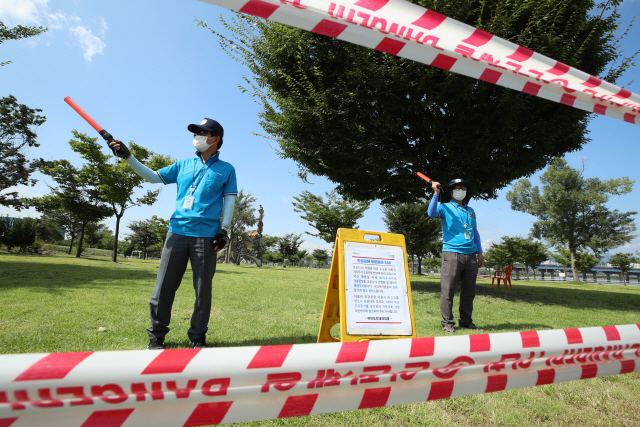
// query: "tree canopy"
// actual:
[[585, 261], [76, 193], [144, 234], [524, 251], [623, 262], [244, 216], [65, 220], [367, 120], [116, 180], [498, 257], [572, 211], [18, 125], [320, 255], [330, 215], [289, 245], [16, 33]]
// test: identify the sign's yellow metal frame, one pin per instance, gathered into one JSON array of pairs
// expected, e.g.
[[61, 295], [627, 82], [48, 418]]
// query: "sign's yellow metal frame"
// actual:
[[335, 307]]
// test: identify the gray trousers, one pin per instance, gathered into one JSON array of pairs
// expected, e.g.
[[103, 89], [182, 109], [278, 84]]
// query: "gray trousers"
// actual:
[[463, 268], [178, 251]]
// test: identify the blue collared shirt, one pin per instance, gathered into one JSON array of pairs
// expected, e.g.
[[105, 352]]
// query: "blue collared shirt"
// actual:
[[453, 218], [212, 181]]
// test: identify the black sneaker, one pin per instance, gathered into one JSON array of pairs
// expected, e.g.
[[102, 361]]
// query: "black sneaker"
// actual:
[[156, 344], [449, 328], [199, 343], [472, 327]]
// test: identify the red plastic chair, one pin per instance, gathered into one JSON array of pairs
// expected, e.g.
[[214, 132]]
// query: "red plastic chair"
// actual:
[[505, 276]]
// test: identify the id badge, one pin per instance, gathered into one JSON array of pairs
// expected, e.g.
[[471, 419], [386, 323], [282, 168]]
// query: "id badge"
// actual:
[[188, 202], [467, 235]]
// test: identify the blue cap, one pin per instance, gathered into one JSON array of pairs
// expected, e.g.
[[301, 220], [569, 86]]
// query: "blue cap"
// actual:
[[208, 125]]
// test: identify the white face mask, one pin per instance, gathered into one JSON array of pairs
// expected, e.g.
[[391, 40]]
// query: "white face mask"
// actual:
[[459, 194], [200, 143]]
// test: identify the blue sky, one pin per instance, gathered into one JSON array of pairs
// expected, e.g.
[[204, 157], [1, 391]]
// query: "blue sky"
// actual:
[[143, 70]]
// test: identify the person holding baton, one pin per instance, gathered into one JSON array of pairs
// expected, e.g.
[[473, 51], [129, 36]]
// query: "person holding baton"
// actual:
[[461, 250], [206, 188]]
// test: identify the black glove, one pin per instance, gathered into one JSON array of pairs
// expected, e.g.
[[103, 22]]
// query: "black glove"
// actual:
[[221, 239], [123, 152]]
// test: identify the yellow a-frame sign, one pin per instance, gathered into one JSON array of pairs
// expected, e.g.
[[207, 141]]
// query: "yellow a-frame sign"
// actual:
[[369, 292]]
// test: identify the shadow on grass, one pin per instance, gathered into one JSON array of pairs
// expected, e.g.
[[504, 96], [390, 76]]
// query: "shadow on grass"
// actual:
[[58, 277], [305, 339], [575, 298], [519, 327], [55, 278], [223, 271]]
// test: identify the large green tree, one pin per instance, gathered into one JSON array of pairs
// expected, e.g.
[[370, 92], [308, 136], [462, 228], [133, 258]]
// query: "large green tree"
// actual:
[[65, 220], [422, 234], [572, 211], [623, 262], [327, 216], [116, 181], [289, 245], [498, 257], [18, 125], [269, 242], [320, 255], [98, 235], [76, 193], [533, 254], [368, 120], [244, 216], [21, 235], [525, 251], [143, 235], [585, 261], [5, 226], [160, 227]]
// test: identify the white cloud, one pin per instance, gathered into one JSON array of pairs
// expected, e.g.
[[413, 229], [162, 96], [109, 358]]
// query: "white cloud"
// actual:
[[487, 244], [89, 42], [58, 20], [24, 12], [36, 12]]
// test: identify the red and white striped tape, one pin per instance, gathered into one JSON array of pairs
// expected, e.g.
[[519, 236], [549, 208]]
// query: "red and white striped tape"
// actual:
[[410, 31], [222, 385]]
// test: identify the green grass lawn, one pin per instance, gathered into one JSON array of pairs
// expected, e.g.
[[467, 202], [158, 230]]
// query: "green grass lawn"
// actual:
[[56, 303]]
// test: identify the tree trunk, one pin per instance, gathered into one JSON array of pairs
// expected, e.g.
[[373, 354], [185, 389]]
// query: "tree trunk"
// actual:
[[419, 265], [574, 264], [114, 256], [228, 254], [80, 240], [73, 237]]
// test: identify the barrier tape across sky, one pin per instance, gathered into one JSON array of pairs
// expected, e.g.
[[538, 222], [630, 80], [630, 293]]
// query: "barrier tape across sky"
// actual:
[[193, 387], [407, 30]]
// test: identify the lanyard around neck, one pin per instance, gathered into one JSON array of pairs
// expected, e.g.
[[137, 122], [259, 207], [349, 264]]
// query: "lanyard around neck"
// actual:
[[193, 188], [458, 208]]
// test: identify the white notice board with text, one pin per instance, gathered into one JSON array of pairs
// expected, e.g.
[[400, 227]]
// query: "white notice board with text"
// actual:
[[377, 298]]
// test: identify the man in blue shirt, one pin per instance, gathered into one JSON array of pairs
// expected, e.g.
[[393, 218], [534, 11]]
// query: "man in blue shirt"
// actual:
[[460, 244], [205, 184]]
